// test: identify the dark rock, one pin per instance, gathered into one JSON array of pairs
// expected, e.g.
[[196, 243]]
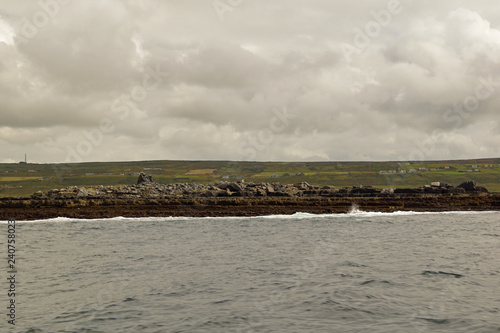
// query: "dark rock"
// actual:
[[365, 190], [261, 193], [311, 192], [145, 179], [407, 191], [468, 186], [210, 194], [236, 188], [481, 189], [223, 186]]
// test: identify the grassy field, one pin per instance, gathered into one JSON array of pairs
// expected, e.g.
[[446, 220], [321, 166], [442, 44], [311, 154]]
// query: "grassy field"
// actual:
[[25, 179]]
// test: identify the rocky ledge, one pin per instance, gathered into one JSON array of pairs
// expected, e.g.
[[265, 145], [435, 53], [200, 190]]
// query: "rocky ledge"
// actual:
[[149, 198], [147, 187]]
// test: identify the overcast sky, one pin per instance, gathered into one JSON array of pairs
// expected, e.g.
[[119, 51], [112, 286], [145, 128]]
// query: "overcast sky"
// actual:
[[263, 80]]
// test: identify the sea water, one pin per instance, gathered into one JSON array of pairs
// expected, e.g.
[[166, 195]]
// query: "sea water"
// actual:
[[360, 272]]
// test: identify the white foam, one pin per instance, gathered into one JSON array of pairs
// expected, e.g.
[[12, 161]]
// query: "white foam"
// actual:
[[297, 216], [119, 218], [355, 212], [358, 213]]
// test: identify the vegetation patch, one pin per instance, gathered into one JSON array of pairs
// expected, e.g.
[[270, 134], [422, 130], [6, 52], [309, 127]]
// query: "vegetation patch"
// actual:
[[25, 179], [201, 172]]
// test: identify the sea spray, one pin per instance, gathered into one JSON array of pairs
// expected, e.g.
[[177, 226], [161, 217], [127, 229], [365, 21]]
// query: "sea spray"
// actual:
[[354, 209]]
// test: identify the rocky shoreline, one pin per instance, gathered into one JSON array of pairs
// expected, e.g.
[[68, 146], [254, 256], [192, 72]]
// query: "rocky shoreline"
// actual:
[[149, 198]]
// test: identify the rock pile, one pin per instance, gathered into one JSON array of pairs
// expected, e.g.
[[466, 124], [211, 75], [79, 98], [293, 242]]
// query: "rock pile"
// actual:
[[147, 187], [443, 188]]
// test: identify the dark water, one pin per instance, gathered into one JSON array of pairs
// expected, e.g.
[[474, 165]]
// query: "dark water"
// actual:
[[337, 273]]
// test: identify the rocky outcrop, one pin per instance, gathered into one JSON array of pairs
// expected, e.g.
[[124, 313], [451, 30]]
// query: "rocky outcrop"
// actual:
[[147, 187], [434, 188], [149, 198], [471, 186], [145, 179]]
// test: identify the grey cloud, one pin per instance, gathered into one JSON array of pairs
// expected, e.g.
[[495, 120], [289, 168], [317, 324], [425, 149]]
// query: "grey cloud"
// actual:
[[221, 81]]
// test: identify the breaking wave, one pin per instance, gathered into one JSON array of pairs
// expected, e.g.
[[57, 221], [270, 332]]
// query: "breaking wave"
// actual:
[[355, 211]]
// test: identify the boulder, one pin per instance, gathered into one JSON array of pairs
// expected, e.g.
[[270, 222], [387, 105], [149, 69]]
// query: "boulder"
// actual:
[[223, 185], [481, 189], [234, 187], [82, 193], [145, 179], [468, 186], [261, 193], [302, 186], [210, 194]]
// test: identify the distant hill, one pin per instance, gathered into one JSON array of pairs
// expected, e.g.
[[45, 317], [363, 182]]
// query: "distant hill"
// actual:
[[25, 179]]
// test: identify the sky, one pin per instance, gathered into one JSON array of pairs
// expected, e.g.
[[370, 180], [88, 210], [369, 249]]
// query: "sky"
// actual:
[[249, 80]]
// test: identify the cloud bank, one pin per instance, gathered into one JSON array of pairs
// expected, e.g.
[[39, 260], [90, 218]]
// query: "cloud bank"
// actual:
[[249, 80]]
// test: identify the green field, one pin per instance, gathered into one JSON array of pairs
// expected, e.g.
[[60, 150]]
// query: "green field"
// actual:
[[25, 179]]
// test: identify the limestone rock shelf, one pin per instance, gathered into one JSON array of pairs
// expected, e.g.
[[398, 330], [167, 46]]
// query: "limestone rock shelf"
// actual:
[[148, 198], [30, 209]]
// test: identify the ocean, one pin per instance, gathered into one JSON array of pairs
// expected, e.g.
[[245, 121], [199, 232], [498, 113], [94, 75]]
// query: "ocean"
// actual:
[[360, 272]]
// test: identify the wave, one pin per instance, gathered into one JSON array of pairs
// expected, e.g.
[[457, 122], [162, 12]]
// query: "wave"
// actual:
[[353, 212], [455, 275], [356, 212], [117, 219]]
